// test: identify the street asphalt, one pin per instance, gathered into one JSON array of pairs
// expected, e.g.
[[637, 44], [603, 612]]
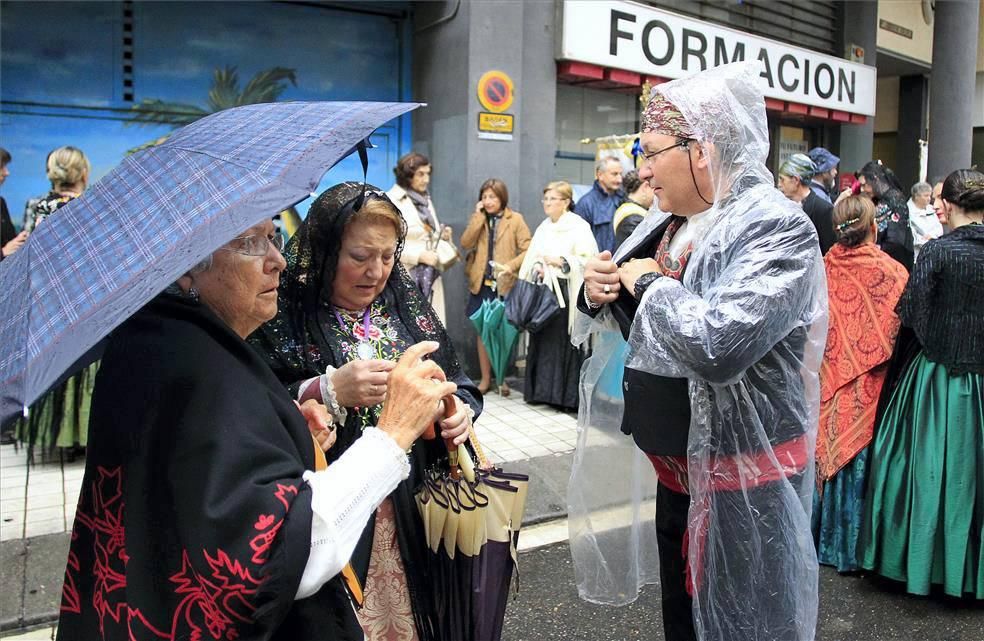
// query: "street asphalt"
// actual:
[[547, 608]]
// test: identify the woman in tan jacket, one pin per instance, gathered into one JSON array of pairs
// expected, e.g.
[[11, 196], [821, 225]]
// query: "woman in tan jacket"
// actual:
[[493, 277]]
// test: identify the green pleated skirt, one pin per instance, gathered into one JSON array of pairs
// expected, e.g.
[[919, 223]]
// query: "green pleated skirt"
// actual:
[[60, 418], [924, 506]]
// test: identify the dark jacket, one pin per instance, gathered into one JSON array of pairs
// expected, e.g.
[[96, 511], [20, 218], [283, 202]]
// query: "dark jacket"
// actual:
[[7, 231], [821, 214], [657, 408], [598, 208]]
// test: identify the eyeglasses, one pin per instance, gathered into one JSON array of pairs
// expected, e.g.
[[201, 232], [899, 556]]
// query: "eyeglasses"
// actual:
[[680, 143], [256, 244], [550, 199]]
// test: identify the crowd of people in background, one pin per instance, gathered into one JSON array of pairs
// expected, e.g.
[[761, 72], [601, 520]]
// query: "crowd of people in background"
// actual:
[[901, 434]]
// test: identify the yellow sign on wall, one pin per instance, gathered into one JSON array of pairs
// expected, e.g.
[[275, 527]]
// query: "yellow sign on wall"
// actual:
[[495, 91], [495, 123]]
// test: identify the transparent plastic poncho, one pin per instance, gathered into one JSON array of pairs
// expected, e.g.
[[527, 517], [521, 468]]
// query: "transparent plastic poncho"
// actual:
[[746, 327]]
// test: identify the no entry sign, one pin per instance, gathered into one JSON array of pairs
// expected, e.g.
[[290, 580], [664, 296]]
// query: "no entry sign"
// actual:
[[495, 91]]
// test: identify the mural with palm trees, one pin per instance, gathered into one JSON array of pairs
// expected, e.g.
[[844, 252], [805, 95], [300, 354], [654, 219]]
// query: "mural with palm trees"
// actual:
[[265, 86]]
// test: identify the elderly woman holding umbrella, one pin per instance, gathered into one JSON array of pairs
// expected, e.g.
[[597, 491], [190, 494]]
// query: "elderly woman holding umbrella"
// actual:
[[200, 514], [427, 249], [349, 311]]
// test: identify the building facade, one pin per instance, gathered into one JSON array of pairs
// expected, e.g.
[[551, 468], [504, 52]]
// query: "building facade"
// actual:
[[514, 90]]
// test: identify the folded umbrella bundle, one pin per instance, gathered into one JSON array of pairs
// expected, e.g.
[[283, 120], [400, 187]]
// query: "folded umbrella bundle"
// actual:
[[472, 515]]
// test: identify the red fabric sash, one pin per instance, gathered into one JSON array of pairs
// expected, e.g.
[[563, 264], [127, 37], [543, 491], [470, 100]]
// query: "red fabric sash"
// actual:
[[864, 285], [738, 472]]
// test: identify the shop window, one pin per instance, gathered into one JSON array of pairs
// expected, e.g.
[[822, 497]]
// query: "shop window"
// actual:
[[977, 150], [883, 148], [586, 114]]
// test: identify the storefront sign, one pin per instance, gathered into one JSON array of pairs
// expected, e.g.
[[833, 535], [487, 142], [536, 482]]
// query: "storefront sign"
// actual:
[[495, 91], [495, 123], [639, 38], [897, 29]]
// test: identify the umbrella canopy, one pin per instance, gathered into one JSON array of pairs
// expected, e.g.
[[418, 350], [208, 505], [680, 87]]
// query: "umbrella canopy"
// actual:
[[424, 276], [106, 254], [497, 333]]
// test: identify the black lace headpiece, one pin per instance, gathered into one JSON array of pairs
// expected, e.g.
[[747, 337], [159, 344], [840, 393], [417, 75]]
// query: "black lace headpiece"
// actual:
[[306, 287]]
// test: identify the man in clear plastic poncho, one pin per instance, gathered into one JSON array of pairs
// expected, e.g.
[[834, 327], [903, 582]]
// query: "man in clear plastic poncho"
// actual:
[[745, 324]]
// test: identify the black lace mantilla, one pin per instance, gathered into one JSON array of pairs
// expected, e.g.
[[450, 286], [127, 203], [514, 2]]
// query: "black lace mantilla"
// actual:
[[944, 300], [293, 341]]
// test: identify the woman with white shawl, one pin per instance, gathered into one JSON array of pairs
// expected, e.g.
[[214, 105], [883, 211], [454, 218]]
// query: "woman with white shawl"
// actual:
[[560, 246]]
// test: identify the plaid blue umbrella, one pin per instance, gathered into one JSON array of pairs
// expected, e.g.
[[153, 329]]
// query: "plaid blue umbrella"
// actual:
[[103, 256]]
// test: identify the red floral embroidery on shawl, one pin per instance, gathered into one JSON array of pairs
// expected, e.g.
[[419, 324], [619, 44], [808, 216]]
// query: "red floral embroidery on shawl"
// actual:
[[213, 603]]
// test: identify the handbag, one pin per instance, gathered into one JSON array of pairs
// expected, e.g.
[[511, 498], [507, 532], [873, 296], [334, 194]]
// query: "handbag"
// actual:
[[530, 306]]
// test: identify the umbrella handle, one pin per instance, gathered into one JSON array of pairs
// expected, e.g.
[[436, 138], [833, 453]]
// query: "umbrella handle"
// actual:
[[431, 433], [448, 402]]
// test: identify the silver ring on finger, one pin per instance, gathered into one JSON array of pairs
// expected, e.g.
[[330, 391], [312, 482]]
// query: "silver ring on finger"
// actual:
[[607, 288]]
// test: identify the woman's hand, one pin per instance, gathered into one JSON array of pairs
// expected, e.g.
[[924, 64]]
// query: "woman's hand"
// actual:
[[415, 387], [846, 193], [362, 383], [319, 423], [446, 233], [554, 261], [428, 257], [14, 244], [455, 426]]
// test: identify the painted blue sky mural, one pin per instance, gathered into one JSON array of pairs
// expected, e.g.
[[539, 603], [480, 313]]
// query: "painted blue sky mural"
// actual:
[[61, 68]]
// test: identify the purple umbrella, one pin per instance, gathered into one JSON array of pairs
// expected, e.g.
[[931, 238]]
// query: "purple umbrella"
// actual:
[[106, 254]]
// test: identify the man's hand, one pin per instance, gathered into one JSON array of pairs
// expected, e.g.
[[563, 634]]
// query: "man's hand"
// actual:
[[415, 387], [630, 272], [319, 423], [601, 279], [361, 383]]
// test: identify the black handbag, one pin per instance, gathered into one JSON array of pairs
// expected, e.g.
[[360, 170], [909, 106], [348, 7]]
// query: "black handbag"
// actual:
[[530, 306]]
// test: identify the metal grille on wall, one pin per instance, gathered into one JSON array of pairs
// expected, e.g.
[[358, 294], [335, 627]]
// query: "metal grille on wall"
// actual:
[[812, 25]]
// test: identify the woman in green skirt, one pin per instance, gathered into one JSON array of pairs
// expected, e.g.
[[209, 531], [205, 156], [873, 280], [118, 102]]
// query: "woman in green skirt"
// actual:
[[924, 509]]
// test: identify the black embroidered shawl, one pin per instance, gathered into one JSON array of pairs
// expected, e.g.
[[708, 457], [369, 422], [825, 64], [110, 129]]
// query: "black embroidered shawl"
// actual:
[[944, 300], [193, 522]]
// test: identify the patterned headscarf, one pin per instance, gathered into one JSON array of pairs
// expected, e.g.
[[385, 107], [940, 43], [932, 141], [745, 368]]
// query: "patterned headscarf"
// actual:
[[661, 116], [799, 166]]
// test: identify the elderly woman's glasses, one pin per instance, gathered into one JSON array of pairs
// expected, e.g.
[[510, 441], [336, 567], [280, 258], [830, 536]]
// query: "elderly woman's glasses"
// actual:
[[255, 244], [550, 199]]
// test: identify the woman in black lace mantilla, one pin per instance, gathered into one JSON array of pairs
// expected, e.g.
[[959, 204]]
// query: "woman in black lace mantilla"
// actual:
[[347, 311]]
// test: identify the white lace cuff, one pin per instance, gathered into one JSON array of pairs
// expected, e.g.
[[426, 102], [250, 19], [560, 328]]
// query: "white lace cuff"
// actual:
[[329, 398], [342, 499]]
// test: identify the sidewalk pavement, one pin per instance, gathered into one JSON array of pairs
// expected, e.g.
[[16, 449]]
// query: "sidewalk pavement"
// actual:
[[37, 502]]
